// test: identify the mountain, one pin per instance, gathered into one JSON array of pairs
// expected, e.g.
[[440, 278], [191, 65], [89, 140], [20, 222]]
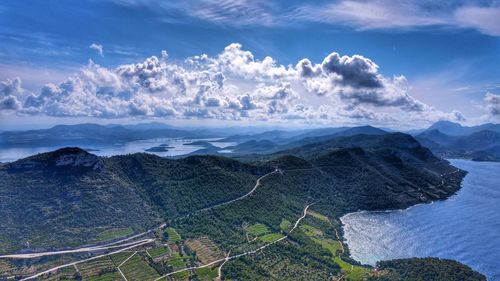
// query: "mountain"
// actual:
[[274, 141], [70, 197], [90, 134], [284, 137], [483, 145], [455, 129]]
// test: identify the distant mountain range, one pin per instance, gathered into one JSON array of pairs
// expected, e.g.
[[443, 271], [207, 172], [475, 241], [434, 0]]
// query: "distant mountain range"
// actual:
[[446, 139], [451, 140]]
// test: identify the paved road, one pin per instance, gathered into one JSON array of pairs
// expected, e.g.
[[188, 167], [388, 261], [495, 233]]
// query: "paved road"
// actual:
[[79, 250], [146, 241], [111, 245]]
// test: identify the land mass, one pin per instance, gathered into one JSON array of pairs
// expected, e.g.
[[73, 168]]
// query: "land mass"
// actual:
[[273, 216]]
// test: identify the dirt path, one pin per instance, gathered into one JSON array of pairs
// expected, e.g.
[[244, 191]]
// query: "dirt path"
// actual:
[[257, 184], [226, 259]]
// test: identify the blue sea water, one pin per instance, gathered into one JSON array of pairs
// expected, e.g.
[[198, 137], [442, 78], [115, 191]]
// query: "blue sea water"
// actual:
[[465, 227]]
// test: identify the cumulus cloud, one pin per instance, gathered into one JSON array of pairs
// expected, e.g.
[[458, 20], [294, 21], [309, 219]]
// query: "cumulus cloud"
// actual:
[[492, 104], [10, 90], [98, 48], [233, 85]]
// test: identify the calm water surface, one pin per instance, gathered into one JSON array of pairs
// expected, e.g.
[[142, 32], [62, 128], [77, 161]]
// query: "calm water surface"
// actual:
[[178, 148], [465, 227]]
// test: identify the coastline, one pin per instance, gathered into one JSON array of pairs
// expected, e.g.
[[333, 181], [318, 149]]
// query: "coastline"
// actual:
[[448, 197]]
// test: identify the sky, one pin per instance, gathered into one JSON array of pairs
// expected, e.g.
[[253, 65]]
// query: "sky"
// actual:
[[398, 64]]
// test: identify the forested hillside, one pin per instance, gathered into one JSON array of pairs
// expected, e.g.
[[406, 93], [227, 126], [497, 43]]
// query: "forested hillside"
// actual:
[[70, 197]]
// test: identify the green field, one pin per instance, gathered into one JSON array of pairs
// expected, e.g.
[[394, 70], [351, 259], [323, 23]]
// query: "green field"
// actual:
[[114, 233], [178, 262], [257, 229], [95, 267], [109, 276], [318, 216], [207, 273], [271, 237], [137, 268], [353, 273], [172, 234], [158, 251], [310, 230], [285, 224]]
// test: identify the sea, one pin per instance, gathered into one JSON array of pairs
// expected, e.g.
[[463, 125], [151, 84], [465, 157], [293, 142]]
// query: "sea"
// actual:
[[175, 147], [465, 227]]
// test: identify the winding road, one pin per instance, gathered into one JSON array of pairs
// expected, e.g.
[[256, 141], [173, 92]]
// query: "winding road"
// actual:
[[118, 244], [226, 259]]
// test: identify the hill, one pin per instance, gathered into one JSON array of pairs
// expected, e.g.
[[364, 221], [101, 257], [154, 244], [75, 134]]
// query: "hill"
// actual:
[[70, 197], [483, 145]]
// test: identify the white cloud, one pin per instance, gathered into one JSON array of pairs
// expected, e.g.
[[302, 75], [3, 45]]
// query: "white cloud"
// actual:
[[10, 90], [484, 19], [387, 14], [234, 85], [360, 14], [492, 104], [98, 48]]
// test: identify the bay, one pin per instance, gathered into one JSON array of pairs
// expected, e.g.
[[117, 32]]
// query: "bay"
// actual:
[[465, 227]]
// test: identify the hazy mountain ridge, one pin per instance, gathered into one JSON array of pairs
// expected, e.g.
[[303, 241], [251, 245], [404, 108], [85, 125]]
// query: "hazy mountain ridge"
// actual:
[[479, 143]]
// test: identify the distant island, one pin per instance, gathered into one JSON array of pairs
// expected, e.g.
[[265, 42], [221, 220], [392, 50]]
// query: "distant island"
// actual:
[[159, 148]]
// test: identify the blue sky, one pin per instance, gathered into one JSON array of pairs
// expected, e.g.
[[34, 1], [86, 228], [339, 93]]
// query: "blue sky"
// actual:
[[448, 52]]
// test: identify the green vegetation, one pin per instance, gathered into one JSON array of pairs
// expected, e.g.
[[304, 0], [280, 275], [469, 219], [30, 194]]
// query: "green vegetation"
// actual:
[[139, 191], [257, 229], [172, 235], [158, 251], [271, 237], [137, 268], [429, 269], [310, 230], [285, 224], [352, 272], [115, 233], [108, 276], [176, 261], [207, 273], [318, 216]]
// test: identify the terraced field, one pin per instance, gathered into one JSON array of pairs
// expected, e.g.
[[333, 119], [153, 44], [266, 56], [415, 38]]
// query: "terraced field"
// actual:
[[172, 235], [206, 250], [178, 262], [158, 251], [109, 276], [5, 268], [95, 267], [137, 268]]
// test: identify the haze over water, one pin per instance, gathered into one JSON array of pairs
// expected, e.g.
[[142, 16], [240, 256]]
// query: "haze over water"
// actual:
[[465, 227]]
